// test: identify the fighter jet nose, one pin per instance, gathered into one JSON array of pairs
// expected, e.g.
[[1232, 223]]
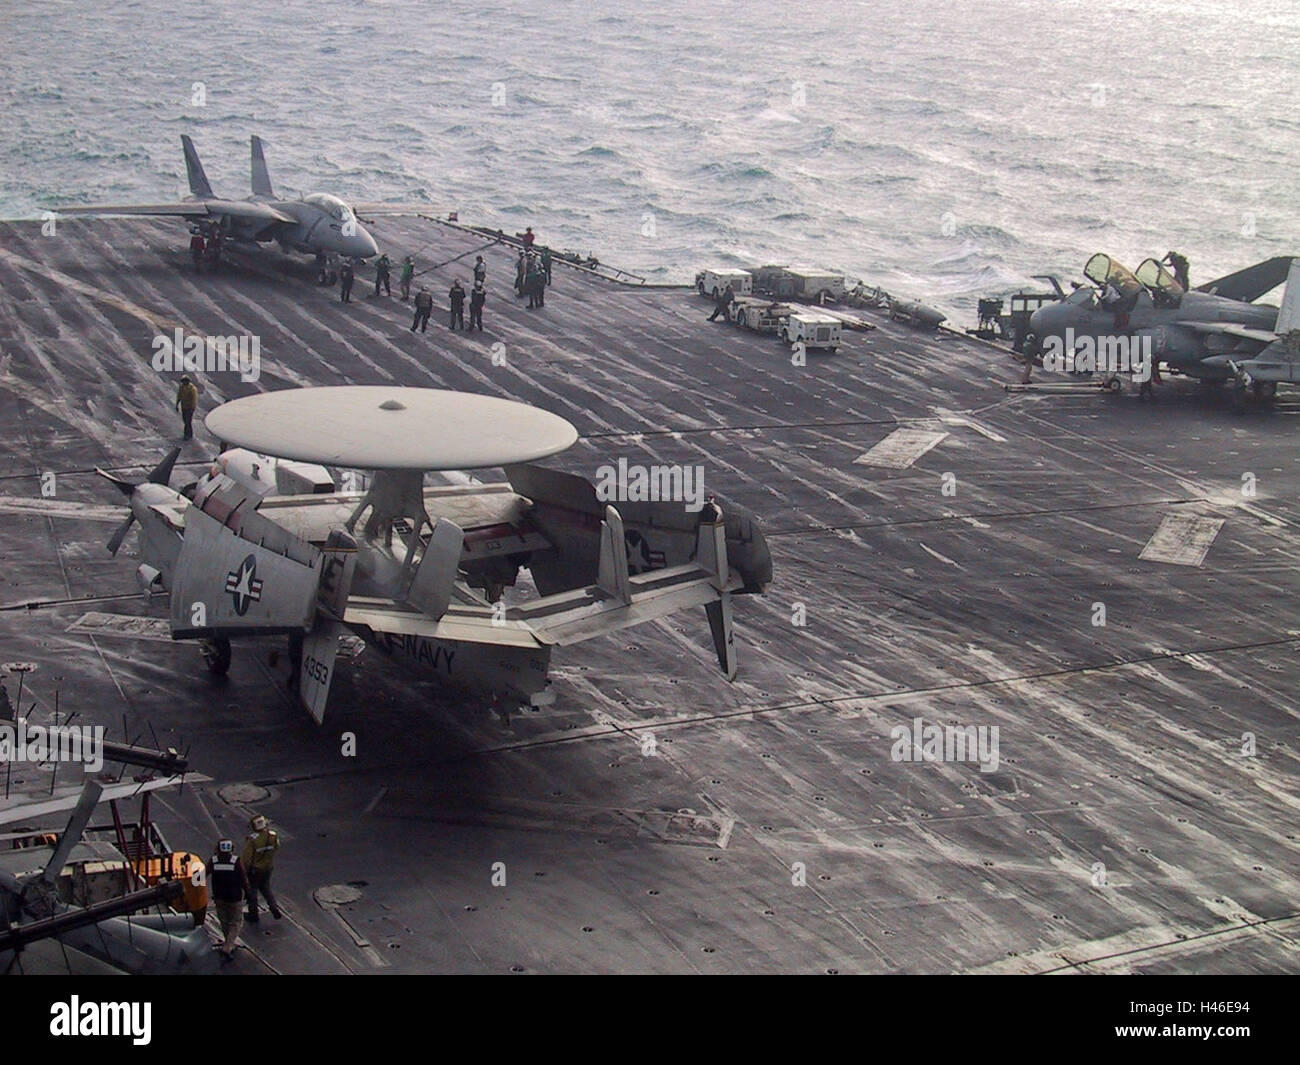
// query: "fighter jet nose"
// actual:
[[370, 248]]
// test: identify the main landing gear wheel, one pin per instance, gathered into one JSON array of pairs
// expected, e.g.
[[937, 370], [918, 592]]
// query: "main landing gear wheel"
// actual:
[[1114, 386], [217, 654]]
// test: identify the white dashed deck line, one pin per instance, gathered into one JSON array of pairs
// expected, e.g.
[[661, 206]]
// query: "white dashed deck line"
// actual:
[[1182, 539], [900, 449]]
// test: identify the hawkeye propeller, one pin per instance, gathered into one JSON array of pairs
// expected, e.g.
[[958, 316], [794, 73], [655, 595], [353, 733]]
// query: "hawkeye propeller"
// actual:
[[160, 474]]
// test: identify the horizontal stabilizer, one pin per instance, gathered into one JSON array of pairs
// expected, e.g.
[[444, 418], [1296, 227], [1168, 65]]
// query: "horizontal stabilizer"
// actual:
[[1249, 284]]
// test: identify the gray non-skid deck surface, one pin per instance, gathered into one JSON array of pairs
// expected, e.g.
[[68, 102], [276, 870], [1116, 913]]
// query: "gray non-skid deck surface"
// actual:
[[1119, 744]]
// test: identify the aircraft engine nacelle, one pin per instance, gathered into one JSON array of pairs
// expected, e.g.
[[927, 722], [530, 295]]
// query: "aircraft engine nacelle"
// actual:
[[269, 476]]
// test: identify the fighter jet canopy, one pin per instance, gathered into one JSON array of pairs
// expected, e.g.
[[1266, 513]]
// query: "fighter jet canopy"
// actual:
[[1159, 280], [332, 205], [1102, 270]]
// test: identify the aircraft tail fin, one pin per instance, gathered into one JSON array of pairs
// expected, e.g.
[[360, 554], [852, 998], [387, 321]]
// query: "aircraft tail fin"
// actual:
[[199, 185], [316, 669], [434, 583], [612, 572], [321, 646], [1288, 316], [261, 177]]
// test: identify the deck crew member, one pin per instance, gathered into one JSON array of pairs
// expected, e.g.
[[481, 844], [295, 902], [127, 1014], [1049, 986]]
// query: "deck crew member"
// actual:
[[259, 860], [187, 402], [521, 267], [408, 273], [480, 271], [345, 281], [476, 299], [197, 248], [229, 884], [529, 238], [1178, 263], [723, 307], [535, 284], [456, 297], [382, 270], [546, 264], [423, 308]]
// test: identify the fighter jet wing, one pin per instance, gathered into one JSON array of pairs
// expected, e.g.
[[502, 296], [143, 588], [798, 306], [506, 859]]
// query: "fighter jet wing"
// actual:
[[393, 209], [188, 209]]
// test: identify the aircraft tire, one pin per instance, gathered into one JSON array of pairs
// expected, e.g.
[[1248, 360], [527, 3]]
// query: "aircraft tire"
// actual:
[[217, 654]]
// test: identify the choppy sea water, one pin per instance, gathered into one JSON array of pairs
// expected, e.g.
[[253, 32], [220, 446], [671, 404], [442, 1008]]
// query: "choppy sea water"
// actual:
[[942, 151]]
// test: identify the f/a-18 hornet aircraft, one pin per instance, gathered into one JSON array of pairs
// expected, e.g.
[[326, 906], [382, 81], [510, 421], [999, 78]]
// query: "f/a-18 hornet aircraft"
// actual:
[[319, 224], [1215, 332], [421, 581]]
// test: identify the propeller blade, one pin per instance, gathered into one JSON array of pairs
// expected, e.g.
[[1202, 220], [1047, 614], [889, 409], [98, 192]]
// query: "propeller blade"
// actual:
[[162, 473], [120, 535]]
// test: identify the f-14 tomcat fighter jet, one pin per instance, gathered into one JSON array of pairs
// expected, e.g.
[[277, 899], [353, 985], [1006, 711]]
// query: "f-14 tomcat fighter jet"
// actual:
[[1215, 332], [319, 223], [418, 572]]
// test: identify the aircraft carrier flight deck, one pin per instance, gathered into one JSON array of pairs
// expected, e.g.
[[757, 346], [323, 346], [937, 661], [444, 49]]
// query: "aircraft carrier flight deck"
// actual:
[[943, 550]]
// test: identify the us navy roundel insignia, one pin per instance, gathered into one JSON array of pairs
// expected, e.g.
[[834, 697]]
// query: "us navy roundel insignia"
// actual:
[[244, 586]]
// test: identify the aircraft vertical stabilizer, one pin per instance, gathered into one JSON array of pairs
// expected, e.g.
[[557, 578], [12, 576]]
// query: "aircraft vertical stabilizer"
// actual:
[[613, 573], [261, 177], [1288, 317], [321, 646], [194, 169], [711, 555], [434, 582]]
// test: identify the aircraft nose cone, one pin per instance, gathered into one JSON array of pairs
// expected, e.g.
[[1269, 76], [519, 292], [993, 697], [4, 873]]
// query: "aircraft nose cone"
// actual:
[[366, 245]]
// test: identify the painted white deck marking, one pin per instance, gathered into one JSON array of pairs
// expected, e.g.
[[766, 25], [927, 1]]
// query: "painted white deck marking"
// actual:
[[900, 449], [1182, 539]]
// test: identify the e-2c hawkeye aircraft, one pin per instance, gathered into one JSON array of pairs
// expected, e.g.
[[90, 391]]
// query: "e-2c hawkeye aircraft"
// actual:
[[421, 582], [319, 224], [1214, 332]]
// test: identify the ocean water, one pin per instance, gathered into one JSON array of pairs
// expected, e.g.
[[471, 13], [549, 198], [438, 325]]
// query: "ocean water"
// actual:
[[943, 151]]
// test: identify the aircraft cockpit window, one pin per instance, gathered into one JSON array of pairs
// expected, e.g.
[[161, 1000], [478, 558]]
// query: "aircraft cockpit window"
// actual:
[[331, 205], [1165, 291], [1082, 296], [1102, 270]]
